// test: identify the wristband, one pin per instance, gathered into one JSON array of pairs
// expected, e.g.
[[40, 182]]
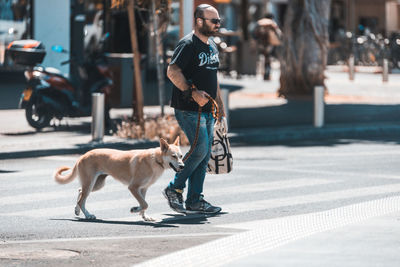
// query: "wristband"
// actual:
[[187, 94]]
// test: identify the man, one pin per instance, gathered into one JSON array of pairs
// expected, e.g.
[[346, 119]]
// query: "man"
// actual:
[[268, 35], [193, 72]]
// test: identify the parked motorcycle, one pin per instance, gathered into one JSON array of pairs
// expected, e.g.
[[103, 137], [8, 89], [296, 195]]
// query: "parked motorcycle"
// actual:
[[49, 94]]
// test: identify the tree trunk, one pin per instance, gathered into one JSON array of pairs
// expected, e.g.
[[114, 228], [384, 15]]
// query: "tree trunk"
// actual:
[[305, 47]]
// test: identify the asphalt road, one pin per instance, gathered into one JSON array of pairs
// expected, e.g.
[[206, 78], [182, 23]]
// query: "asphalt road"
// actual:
[[39, 228]]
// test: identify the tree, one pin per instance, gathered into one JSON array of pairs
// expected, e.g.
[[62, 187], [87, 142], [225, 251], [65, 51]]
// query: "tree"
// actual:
[[305, 47]]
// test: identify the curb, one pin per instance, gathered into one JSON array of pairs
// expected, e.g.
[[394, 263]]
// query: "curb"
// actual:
[[272, 136], [239, 137]]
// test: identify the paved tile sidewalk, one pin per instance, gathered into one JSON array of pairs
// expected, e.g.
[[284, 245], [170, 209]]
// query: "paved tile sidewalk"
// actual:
[[363, 108]]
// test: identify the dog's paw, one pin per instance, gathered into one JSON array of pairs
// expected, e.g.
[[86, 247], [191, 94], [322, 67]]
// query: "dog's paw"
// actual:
[[136, 209]]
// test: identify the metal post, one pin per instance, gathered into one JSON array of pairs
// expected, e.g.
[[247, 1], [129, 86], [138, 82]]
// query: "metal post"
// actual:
[[159, 60], [319, 106], [225, 100], [385, 71], [137, 88], [97, 117], [351, 67]]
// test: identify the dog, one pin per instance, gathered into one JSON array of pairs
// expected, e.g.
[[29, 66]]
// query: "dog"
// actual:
[[137, 169]]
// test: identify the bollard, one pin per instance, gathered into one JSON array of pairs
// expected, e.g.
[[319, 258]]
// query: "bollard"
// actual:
[[225, 100], [385, 70], [261, 66], [351, 68], [319, 106], [97, 117]]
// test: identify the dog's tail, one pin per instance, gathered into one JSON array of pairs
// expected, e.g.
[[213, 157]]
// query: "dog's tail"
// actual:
[[65, 179]]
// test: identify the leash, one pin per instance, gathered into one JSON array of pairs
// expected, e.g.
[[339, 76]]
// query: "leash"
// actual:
[[214, 112]]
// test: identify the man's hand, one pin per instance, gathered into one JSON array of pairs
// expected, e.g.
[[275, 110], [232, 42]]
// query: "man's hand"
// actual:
[[200, 97]]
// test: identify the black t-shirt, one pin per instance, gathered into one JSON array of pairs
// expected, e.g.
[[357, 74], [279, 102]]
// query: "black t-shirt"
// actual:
[[199, 63]]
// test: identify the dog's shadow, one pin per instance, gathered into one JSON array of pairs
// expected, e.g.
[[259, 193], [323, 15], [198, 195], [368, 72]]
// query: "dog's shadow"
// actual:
[[171, 222], [139, 223]]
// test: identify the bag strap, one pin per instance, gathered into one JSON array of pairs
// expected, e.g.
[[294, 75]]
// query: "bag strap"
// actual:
[[214, 112]]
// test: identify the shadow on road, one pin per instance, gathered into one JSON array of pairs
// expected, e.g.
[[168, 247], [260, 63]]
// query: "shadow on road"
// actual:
[[7, 171], [190, 218], [140, 223], [165, 223]]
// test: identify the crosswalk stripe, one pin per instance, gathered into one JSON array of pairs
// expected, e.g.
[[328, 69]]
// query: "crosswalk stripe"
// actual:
[[30, 173], [298, 200], [324, 172], [104, 238], [251, 205], [151, 199], [114, 186], [60, 158], [58, 194], [312, 198]]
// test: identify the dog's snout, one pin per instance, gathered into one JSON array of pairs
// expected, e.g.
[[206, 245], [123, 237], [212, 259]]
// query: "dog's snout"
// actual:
[[181, 166]]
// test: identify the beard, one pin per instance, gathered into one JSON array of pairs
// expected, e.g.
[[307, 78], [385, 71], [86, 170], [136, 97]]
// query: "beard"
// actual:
[[207, 31]]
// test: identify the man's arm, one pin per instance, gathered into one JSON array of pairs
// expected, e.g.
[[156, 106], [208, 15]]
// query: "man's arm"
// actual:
[[176, 76]]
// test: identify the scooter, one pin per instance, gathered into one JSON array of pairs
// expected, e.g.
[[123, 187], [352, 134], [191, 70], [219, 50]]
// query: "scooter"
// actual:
[[49, 94]]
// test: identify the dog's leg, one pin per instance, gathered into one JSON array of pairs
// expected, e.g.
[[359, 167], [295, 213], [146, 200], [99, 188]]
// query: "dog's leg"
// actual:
[[87, 186], [139, 194], [77, 208], [143, 192], [82, 202]]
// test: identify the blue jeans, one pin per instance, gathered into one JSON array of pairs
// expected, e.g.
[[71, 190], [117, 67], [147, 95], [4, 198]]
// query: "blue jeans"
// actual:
[[196, 165]]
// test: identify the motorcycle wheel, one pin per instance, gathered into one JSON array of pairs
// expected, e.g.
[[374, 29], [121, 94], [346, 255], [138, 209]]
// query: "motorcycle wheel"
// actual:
[[37, 116]]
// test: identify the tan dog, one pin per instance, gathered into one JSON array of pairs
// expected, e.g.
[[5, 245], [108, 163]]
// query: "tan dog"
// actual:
[[138, 169]]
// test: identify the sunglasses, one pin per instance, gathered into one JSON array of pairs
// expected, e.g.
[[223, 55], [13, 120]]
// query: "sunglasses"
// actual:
[[213, 21]]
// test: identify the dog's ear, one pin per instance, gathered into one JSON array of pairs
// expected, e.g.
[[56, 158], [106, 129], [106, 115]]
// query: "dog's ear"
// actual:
[[177, 142], [163, 145]]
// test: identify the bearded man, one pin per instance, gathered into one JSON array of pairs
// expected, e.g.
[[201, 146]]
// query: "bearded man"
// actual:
[[193, 72]]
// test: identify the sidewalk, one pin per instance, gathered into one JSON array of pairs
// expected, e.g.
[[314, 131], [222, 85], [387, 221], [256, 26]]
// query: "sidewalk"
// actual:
[[365, 100], [362, 109]]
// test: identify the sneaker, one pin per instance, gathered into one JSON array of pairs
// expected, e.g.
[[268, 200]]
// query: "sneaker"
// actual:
[[175, 199], [202, 207]]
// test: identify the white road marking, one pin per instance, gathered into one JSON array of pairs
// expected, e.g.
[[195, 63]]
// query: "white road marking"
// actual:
[[53, 195], [115, 186], [324, 172], [311, 198], [270, 234], [251, 205], [84, 239], [27, 173], [60, 158], [156, 198]]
